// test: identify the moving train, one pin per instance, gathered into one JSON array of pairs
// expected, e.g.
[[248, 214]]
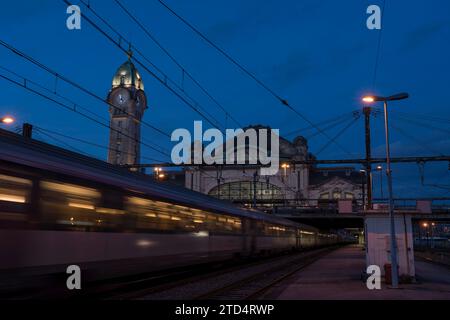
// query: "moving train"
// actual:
[[59, 208]]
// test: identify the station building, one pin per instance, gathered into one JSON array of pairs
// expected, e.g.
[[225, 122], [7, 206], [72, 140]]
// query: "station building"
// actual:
[[294, 184]]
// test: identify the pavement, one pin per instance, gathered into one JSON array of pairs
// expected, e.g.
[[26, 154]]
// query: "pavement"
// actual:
[[337, 276]]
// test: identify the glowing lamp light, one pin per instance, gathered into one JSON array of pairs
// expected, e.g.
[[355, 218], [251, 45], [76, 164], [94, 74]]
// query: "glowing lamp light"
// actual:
[[7, 120], [368, 99]]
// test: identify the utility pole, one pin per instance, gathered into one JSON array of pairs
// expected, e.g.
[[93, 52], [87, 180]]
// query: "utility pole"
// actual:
[[367, 113]]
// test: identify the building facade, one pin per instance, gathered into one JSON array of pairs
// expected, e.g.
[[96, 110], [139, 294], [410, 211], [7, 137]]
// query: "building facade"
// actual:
[[293, 184], [127, 102]]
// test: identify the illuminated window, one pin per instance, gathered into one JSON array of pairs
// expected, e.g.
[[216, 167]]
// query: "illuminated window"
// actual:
[[244, 190], [14, 189]]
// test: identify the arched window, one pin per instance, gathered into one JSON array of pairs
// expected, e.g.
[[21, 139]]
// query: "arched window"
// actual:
[[244, 190]]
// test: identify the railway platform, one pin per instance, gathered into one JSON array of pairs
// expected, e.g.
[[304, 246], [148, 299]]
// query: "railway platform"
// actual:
[[337, 276]]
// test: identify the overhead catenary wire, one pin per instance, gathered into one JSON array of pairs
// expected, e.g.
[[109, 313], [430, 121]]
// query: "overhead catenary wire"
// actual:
[[71, 108], [71, 102], [184, 71], [72, 83], [340, 133], [166, 78], [69, 146], [424, 145], [421, 124], [194, 105], [332, 120], [329, 127], [90, 143], [251, 75], [422, 117], [378, 50]]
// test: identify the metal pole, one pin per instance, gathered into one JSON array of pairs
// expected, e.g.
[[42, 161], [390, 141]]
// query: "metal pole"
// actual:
[[363, 200], [381, 183], [391, 202], [367, 112]]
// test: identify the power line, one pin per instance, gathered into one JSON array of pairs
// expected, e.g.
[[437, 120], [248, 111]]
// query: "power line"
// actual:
[[71, 102], [332, 120], [73, 83], [251, 75], [423, 117], [164, 81], [71, 108], [130, 46], [420, 123], [61, 142], [337, 135], [183, 69], [51, 132], [420, 143], [329, 127], [380, 37]]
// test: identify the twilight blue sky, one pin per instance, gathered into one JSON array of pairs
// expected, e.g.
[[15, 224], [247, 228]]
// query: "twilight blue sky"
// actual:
[[319, 55]]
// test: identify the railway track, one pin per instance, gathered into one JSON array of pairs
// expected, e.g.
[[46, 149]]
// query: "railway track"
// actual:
[[239, 283], [256, 285], [240, 279]]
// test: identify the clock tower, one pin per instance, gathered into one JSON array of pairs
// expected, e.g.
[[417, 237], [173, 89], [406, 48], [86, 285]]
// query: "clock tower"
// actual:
[[127, 105]]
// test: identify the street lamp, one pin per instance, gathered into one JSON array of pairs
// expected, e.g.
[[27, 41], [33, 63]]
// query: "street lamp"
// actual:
[[285, 166], [158, 173], [7, 120], [371, 99]]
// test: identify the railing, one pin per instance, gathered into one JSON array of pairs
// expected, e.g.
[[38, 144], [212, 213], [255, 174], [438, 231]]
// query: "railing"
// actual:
[[325, 206]]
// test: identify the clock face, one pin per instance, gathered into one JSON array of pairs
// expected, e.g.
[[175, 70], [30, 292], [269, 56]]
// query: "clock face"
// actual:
[[141, 100], [119, 99]]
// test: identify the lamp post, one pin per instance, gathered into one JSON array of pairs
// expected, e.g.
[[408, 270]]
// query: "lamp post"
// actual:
[[285, 166], [380, 170], [371, 99]]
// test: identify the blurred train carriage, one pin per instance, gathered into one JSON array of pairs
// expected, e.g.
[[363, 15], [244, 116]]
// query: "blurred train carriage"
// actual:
[[59, 208]]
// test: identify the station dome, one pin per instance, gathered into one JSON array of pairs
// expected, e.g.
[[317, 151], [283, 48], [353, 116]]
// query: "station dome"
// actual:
[[128, 76]]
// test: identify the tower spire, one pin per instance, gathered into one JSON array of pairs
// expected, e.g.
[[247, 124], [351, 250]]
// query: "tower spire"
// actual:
[[129, 52]]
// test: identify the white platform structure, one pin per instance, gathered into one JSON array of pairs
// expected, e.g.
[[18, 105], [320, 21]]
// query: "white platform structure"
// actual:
[[377, 238]]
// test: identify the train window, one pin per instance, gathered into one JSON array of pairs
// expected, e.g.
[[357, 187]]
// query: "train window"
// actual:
[[154, 215], [14, 196], [13, 189], [163, 216], [76, 207]]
